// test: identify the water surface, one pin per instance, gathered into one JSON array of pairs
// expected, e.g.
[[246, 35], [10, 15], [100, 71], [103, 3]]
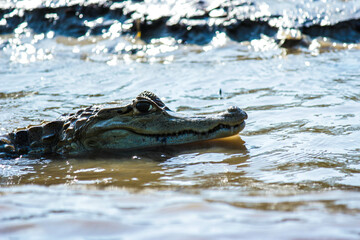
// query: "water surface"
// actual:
[[293, 172]]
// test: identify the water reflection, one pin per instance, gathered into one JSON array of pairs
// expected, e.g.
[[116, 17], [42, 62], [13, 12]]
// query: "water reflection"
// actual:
[[115, 214], [153, 168], [295, 167]]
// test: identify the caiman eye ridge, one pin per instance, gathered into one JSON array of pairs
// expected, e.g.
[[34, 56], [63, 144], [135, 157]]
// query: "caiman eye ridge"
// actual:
[[184, 132]]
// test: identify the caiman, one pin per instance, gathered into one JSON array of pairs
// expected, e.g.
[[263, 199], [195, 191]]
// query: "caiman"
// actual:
[[145, 122]]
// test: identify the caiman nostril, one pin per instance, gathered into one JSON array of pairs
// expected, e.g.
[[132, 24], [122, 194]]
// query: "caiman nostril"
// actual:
[[234, 109]]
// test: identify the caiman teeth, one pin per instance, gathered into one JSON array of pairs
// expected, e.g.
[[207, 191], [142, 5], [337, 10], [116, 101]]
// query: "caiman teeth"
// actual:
[[183, 132]]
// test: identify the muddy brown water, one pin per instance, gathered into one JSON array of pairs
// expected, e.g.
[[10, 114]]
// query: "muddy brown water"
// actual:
[[292, 173]]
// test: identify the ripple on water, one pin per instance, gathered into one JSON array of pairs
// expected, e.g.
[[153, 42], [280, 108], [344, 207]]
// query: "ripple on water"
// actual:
[[127, 214], [295, 166]]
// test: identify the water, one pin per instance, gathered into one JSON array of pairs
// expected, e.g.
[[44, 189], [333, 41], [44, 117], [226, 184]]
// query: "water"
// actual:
[[293, 173]]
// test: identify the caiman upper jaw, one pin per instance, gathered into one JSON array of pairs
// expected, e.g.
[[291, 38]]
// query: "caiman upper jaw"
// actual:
[[161, 128], [170, 123]]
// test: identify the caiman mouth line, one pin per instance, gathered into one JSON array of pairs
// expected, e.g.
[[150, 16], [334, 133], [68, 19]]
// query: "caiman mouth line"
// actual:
[[184, 132]]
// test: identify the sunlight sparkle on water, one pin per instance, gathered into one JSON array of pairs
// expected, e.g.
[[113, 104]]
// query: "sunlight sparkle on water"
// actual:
[[295, 166]]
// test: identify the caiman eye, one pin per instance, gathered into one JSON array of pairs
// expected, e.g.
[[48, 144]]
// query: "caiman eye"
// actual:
[[143, 106]]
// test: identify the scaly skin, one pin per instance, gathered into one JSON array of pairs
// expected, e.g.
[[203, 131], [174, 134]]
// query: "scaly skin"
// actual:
[[146, 122]]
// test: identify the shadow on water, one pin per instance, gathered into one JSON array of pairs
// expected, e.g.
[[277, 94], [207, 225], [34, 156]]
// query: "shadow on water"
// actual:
[[133, 169], [229, 145]]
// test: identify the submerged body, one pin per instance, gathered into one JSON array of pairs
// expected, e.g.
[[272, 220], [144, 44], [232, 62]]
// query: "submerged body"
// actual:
[[146, 122]]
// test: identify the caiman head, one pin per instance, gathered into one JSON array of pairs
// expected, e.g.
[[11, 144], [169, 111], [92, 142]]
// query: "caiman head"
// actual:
[[147, 122]]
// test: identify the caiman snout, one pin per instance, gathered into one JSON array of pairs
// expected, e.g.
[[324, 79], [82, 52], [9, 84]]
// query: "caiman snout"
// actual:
[[236, 111]]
